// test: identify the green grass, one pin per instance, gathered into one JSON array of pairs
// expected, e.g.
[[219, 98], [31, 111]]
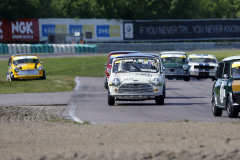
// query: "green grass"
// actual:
[[60, 74], [220, 55], [62, 71], [62, 120]]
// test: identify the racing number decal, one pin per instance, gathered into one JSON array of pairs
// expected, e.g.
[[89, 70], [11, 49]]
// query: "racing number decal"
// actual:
[[222, 92]]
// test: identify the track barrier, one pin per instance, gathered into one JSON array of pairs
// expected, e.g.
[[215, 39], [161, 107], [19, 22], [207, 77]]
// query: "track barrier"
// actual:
[[47, 48]]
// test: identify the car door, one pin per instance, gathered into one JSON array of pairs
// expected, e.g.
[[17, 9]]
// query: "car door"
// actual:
[[218, 83], [224, 84]]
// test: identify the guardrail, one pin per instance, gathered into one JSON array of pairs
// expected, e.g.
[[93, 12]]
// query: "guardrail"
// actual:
[[47, 48]]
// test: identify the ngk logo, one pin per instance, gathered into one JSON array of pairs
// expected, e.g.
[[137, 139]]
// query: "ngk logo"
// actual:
[[22, 27], [1, 32]]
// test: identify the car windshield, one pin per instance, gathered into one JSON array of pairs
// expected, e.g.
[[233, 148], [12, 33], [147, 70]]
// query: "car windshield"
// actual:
[[235, 69], [173, 60], [203, 60], [136, 65], [20, 61], [112, 57]]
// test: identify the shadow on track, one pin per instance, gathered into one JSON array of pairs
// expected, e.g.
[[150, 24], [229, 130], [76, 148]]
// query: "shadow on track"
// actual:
[[184, 97]]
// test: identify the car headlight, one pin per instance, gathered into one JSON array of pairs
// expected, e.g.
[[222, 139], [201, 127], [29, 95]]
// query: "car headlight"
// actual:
[[116, 81], [185, 67], [16, 69], [40, 68], [156, 81]]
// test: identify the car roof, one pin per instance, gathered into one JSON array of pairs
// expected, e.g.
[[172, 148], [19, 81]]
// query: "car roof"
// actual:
[[172, 52], [119, 52], [141, 55], [23, 54], [173, 55], [201, 56], [231, 58]]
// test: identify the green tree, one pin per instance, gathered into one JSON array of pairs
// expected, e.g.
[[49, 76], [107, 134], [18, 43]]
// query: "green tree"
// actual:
[[120, 9], [13, 9]]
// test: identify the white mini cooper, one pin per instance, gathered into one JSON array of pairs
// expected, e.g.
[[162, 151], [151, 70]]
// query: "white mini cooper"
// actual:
[[137, 77]]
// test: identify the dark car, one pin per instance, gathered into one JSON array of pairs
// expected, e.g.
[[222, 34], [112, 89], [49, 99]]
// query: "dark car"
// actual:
[[176, 65], [226, 89], [108, 65]]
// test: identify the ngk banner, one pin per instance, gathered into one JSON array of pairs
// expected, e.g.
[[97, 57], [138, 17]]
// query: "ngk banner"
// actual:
[[22, 30]]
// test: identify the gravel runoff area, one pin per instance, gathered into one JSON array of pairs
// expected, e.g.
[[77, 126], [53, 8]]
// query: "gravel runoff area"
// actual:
[[40, 133]]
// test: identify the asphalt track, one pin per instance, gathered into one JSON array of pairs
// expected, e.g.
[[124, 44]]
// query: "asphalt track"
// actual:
[[36, 99], [185, 101]]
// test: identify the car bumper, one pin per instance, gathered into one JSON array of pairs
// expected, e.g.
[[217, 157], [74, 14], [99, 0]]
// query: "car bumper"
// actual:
[[158, 91], [176, 76], [28, 75], [175, 72], [204, 74]]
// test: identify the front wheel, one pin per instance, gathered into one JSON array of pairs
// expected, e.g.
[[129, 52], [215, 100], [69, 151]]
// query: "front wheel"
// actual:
[[232, 110], [111, 100], [11, 77], [159, 100], [105, 83], [215, 110], [44, 75]]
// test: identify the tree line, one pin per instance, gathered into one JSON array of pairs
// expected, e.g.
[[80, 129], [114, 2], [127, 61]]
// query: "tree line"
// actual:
[[120, 9]]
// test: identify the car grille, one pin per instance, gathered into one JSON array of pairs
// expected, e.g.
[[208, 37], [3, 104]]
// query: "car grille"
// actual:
[[28, 72], [173, 71], [204, 67], [135, 88]]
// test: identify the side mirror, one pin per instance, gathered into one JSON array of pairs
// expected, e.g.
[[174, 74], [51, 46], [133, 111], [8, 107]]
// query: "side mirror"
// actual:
[[9, 64], [41, 62], [225, 76], [105, 64], [163, 68]]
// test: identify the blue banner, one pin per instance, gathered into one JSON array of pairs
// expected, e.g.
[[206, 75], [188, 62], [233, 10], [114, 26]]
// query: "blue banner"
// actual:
[[48, 29], [103, 31], [75, 28]]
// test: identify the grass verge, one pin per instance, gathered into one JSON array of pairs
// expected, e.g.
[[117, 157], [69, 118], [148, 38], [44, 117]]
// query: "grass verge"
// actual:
[[60, 75], [62, 120]]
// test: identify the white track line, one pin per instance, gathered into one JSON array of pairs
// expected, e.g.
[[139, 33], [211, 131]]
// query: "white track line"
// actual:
[[78, 84], [72, 114], [74, 106]]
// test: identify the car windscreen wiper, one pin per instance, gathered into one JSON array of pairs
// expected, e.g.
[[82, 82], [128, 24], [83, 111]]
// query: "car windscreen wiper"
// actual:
[[135, 67]]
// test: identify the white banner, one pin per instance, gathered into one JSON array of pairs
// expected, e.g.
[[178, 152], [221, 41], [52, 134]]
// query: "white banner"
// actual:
[[93, 30]]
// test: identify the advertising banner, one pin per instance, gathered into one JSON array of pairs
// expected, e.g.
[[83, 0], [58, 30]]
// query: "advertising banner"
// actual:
[[92, 30], [176, 30], [22, 30], [1, 31], [108, 31]]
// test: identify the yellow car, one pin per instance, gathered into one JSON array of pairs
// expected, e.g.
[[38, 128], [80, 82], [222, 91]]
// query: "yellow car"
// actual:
[[25, 66]]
